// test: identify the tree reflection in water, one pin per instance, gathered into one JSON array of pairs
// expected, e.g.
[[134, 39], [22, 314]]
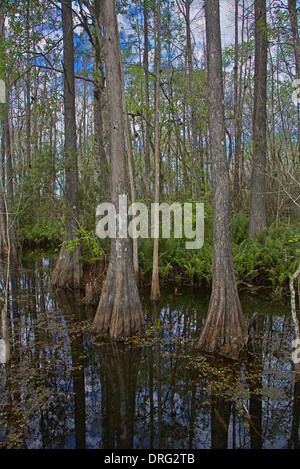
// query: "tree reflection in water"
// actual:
[[62, 387], [121, 365]]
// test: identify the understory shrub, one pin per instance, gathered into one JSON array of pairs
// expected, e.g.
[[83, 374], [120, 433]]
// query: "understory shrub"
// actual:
[[267, 260]]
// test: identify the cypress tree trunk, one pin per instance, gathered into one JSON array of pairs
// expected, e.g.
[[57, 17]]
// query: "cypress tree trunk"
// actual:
[[296, 46], [68, 270], [295, 34], [185, 9], [155, 290], [100, 129], [258, 221], [9, 240], [237, 117], [224, 330], [147, 113], [119, 312]]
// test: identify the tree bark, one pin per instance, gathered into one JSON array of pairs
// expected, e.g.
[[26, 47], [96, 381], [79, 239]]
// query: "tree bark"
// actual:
[[155, 290], [8, 236], [296, 46], [294, 28], [147, 112], [258, 220], [224, 330], [68, 269], [100, 130], [185, 9], [293, 277], [119, 312], [130, 170], [237, 118]]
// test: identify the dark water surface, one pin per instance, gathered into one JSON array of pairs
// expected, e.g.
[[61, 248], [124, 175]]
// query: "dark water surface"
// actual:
[[65, 388]]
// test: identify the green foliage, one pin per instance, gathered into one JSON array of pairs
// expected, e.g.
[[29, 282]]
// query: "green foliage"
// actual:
[[267, 260], [91, 250], [45, 231], [270, 258], [33, 30], [239, 227]]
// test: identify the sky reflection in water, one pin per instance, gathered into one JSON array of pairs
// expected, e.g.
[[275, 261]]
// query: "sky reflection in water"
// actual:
[[64, 388]]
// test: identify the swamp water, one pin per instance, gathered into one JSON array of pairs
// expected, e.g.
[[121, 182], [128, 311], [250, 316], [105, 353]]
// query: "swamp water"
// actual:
[[65, 388]]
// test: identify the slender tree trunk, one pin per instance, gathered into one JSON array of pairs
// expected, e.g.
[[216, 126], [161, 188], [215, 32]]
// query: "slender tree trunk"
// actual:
[[14, 242], [294, 28], [296, 45], [27, 93], [237, 118], [8, 219], [130, 169], [155, 290], [119, 312], [100, 103], [185, 8], [147, 113], [101, 159], [68, 269], [170, 125], [4, 241], [258, 220], [224, 328]]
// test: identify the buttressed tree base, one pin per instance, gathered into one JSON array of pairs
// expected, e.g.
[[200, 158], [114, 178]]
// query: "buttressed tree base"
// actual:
[[119, 312]]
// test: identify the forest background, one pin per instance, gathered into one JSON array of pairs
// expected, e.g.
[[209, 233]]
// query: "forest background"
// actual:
[[33, 163]]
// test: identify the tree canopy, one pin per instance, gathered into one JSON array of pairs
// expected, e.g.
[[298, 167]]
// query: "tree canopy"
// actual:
[[164, 70]]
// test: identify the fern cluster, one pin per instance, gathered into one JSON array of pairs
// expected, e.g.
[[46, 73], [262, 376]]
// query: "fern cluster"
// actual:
[[269, 259]]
